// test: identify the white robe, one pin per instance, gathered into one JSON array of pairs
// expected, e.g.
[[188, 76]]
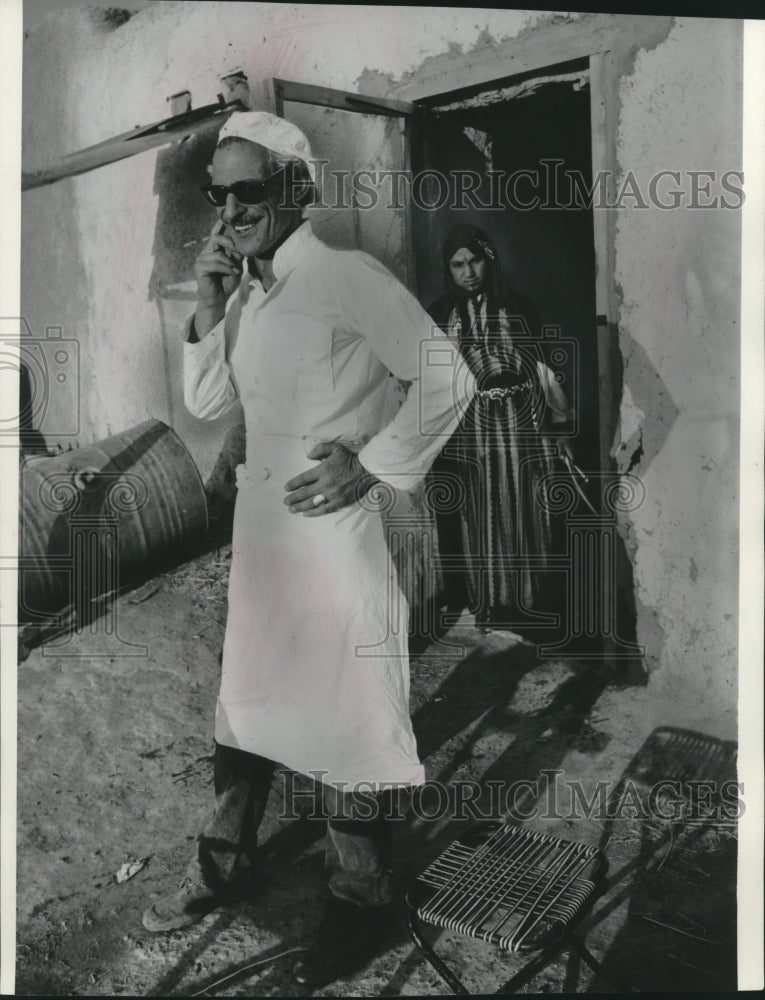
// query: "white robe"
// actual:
[[315, 667]]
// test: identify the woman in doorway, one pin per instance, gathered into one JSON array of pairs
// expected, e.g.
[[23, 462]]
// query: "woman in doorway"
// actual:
[[506, 444]]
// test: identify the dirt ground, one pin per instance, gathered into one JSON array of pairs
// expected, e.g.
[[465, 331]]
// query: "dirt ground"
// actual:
[[115, 767]]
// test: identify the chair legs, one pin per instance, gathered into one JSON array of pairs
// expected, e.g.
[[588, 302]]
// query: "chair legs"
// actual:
[[589, 959], [533, 967], [454, 984], [530, 969]]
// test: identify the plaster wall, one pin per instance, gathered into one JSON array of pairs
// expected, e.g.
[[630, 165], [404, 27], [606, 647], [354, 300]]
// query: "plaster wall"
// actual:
[[678, 272]]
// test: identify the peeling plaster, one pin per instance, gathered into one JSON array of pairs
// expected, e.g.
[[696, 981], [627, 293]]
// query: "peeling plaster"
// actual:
[[530, 21], [636, 452], [526, 88], [374, 83], [630, 423]]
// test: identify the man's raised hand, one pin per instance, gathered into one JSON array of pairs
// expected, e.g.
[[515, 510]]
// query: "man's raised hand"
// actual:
[[218, 270]]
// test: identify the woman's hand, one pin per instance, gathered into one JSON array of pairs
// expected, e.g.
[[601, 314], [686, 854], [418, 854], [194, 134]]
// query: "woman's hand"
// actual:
[[563, 445], [338, 481]]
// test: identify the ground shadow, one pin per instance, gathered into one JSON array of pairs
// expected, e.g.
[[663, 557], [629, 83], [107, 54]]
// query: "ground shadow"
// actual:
[[478, 688], [678, 798], [677, 876]]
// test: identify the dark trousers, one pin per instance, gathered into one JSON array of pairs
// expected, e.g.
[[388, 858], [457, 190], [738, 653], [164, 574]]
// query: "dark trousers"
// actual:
[[358, 850]]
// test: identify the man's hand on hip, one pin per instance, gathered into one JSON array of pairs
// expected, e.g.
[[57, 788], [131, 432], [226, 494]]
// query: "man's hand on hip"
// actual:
[[336, 482]]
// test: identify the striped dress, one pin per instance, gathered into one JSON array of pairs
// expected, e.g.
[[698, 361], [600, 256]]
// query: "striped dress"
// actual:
[[499, 527]]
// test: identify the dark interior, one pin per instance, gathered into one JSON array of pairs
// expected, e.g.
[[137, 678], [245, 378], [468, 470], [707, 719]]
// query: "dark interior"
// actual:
[[547, 253]]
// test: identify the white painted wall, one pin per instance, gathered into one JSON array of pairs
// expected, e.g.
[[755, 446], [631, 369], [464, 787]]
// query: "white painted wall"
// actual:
[[679, 273]]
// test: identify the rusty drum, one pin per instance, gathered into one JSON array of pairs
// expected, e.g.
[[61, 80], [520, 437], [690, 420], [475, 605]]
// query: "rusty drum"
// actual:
[[97, 517]]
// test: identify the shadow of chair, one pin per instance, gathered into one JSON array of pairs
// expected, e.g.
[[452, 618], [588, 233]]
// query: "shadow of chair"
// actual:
[[676, 804]]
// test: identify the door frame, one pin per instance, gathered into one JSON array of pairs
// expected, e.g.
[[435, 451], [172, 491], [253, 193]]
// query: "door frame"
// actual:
[[345, 100], [330, 97]]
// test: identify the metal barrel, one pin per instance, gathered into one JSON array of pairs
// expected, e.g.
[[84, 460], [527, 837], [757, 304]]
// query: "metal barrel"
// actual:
[[97, 517]]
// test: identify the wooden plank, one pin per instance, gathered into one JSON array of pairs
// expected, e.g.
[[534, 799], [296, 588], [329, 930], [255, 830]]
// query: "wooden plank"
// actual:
[[411, 266], [603, 144], [600, 158], [308, 93], [121, 147], [278, 96]]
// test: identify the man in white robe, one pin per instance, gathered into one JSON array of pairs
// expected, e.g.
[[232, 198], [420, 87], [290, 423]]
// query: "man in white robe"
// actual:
[[315, 670]]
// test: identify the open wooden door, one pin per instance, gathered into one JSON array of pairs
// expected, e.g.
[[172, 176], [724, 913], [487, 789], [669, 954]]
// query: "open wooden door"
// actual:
[[363, 144]]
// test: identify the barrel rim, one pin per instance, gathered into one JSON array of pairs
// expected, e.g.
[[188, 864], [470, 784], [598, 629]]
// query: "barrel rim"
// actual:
[[183, 444]]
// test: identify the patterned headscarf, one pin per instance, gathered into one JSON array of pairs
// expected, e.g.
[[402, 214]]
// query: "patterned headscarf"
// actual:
[[465, 303], [476, 241]]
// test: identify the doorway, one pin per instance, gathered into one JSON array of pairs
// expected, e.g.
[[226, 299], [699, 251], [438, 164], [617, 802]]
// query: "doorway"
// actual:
[[515, 158]]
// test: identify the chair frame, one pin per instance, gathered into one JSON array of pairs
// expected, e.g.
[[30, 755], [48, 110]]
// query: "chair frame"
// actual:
[[542, 951]]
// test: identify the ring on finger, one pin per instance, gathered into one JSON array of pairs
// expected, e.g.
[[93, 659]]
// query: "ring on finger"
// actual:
[[318, 500]]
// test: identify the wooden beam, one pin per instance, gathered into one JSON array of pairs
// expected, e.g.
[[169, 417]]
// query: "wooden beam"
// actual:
[[127, 144], [603, 90], [308, 93]]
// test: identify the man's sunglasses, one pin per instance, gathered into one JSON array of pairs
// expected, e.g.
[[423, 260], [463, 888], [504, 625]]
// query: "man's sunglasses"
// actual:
[[245, 192]]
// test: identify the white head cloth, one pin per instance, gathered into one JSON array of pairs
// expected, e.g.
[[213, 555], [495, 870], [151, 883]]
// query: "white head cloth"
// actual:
[[276, 134]]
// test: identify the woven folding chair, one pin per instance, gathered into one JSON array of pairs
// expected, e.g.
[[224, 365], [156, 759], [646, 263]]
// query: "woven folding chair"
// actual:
[[512, 887]]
